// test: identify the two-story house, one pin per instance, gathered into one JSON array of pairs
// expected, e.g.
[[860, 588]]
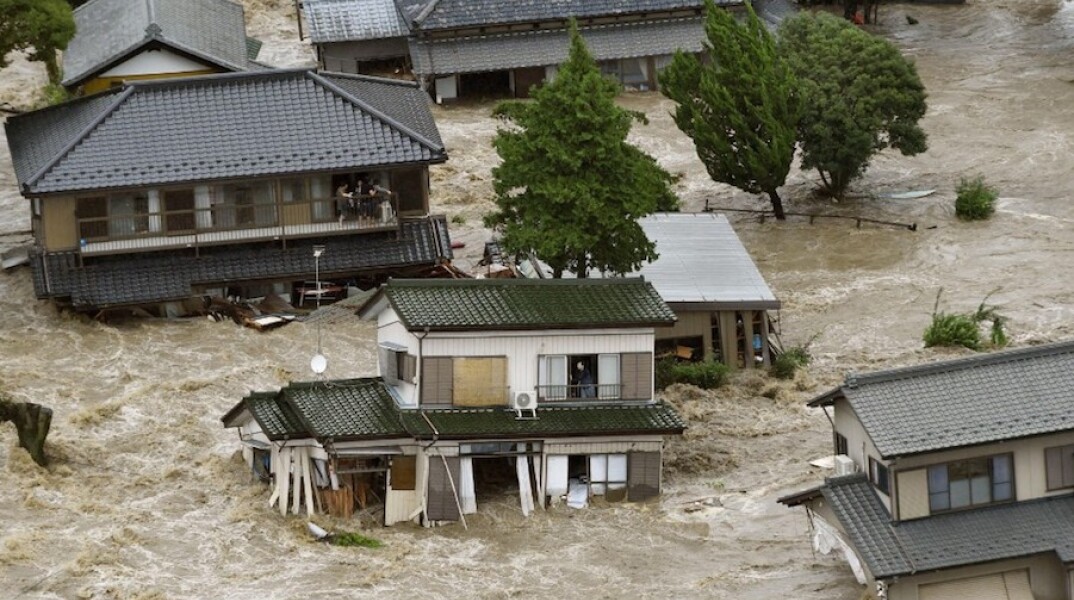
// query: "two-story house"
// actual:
[[543, 388], [472, 48], [157, 191], [127, 40], [964, 477]]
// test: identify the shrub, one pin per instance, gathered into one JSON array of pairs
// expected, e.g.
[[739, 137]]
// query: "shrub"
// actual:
[[352, 539], [458, 220], [953, 329], [792, 359], [705, 375], [976, 200]]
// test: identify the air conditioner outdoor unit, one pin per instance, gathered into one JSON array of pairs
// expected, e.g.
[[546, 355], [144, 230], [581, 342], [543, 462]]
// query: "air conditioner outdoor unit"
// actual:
[[844, 465], [525, 400]]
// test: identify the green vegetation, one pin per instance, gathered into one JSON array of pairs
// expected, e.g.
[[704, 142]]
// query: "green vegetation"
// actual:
[[740, 106], [570, 188], [458, 220], [964, 329], [706, 375], [859, 95], [53, 94], [42, 26], [353, 539], [976, 199], [789, 361]]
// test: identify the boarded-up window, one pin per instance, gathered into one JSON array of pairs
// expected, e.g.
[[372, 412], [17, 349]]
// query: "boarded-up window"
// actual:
[[1059, 462], [643, 476], [480, 381], [637, 375], [437, 375], [404, 472], [441, 504]]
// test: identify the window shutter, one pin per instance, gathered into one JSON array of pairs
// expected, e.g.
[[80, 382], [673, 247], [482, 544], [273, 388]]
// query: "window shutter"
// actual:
[[436, 380], [637, 375], [408, 367], [404, 472], [441, 505], [1059, 466], [391, 366], [643, 476]]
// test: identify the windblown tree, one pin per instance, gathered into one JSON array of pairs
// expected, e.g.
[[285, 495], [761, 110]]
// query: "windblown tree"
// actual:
[[570, 188], [740, 107], [859, 96], [32, 422], [42, 26]]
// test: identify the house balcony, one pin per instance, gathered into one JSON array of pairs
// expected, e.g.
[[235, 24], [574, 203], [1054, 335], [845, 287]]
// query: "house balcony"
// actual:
[[231, 223], [595, 392]]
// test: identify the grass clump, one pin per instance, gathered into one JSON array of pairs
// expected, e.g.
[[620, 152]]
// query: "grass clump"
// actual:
[[706, 375], [458, 220], [976, 199], [788, 363], [964, 329], [351, 539]]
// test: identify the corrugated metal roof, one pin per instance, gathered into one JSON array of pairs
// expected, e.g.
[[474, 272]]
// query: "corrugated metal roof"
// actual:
[[964, 402], [222, 127], [492, 304], [550, 47], [107, 30], [150, 277], [452, 14], [949, 540], [353, 20], [703, 262]]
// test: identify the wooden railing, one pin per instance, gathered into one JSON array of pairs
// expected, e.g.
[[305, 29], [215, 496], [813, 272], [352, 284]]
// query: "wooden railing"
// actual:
[[234, 222]]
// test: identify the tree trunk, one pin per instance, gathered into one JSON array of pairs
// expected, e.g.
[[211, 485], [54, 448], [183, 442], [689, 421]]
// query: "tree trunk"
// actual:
[[777, 205], [32, 421], [52, 67]]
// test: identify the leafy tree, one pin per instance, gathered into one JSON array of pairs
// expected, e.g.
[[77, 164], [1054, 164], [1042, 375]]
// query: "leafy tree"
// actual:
[[46, 26], [859, 96], [740, 107], [570, 188]]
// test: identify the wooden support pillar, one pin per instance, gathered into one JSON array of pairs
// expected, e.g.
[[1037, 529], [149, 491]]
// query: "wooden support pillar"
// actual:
[[766, 353], [728, 339], [747, 339]]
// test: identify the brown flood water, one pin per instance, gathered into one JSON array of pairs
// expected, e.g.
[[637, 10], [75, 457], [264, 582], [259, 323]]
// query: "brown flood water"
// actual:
[[146, 498]]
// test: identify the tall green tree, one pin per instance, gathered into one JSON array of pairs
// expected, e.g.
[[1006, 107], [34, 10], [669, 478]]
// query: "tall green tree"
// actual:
[[859, 96], [740, 107], [45, 26], [570, 188]]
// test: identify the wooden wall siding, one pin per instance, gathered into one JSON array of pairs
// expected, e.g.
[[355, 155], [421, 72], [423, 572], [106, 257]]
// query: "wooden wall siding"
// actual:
[[404, 473], [691, 323], [602, 447], [1059, 464], [441, 505], [524, 349], [637, 375], [59, 224], [912, 488], [438, 373], [480, 381], [643, 475], [296, 214]]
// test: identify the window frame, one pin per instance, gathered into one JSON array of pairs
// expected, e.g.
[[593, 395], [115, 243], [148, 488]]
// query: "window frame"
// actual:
[[876, 469], [1063, 485], [989, 459]]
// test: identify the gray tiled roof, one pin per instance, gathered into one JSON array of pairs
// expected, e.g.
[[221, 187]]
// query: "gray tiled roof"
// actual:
[[964, 402], [221, 127], [166, 276], [451, 14], [949, 540], [353, 20], [519, 304], [702, 262], [110, 30], [550, 47]]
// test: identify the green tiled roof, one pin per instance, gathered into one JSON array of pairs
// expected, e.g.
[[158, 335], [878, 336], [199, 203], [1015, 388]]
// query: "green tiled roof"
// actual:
[[277, 420], [559, 421], [466, 304], [345, 409]]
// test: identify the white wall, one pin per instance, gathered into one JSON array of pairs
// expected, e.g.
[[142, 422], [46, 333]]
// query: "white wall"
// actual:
[[859, 446], [151, 62]]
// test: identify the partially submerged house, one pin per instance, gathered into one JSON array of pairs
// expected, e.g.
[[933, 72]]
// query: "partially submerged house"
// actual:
[[128, 40], [497, 47], [957, 477], [707, 277], [158, 191], [544, 388]]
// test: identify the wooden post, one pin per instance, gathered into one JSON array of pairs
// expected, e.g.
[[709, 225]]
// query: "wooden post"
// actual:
[[283, 475], [728, 339], [747, 339], [765, 351]]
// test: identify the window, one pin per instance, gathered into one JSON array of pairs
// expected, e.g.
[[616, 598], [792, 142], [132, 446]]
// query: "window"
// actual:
[[971, 482], [1059, 464], [129, 214], [397, 365], [404, 472], [608, 475], [841, 444], [879, 476], [579, 376], [92, 216], [244, 205]]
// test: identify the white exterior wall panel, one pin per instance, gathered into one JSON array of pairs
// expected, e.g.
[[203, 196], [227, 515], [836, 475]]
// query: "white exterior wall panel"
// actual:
[[152, 62], [859, 446]]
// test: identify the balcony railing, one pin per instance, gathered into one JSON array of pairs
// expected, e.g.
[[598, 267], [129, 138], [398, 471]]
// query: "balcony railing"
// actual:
[[579, 393], [224, 223]]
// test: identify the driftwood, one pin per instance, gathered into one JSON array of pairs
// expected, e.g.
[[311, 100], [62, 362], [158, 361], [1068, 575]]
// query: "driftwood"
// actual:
[[32, 421]]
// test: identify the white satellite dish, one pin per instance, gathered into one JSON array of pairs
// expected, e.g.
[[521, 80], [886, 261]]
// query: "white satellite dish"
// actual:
[[318, 363]]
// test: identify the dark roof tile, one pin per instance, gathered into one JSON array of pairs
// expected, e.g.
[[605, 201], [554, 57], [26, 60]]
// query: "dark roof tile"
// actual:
[[452, 14]]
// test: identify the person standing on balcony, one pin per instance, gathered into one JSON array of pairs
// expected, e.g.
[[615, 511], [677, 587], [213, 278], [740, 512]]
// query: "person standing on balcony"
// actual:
[[344, 201], [586, 389]]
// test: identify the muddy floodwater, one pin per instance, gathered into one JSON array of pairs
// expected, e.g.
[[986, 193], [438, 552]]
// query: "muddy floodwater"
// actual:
[[146, 497]]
